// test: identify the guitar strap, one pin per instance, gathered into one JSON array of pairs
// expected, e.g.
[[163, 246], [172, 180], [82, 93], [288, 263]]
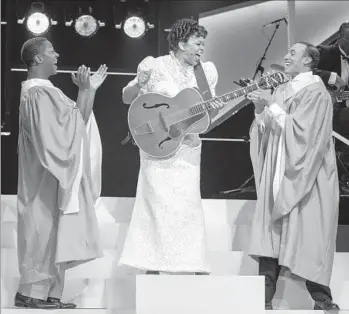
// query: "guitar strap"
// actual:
[[205, 91], [201, 80]]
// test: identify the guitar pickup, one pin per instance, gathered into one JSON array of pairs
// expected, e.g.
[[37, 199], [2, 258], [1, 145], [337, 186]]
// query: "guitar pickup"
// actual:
[[144, 129]]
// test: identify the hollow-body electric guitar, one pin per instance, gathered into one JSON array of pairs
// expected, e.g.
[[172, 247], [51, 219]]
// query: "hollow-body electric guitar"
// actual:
[[158, 123]]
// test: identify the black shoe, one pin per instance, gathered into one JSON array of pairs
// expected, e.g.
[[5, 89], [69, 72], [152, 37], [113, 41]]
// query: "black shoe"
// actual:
[[326, 305], [33, 303], [61, 304]]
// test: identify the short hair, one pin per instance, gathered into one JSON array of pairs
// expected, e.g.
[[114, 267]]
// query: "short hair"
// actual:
[[182, 29], [344, 27], [30, 49], [312, 52]]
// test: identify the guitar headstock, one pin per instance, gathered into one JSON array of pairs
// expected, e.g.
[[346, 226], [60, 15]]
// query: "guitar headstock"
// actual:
[[245, 82]]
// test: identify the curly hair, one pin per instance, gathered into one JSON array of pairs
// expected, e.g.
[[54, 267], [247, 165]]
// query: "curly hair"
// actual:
[[30, 49], [182, 29]]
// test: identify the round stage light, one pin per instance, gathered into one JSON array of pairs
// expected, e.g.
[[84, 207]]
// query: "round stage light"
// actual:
[[135, 27], [86, 25], [38, 23]]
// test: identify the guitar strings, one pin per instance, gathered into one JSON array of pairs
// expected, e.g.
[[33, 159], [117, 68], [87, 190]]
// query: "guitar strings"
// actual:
[[276, 78]]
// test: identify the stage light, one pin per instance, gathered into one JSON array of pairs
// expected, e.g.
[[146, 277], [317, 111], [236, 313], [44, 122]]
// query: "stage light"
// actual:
[[135, 27], [37, 21], [86, 25]]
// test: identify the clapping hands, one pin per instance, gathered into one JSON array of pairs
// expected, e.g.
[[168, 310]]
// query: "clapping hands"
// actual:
[[82, 77], [98, 78], [84, 80]]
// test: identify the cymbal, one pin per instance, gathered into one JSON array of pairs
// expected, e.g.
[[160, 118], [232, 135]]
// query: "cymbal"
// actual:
[[277, 67]]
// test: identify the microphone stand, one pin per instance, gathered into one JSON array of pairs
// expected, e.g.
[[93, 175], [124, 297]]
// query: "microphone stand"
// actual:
[[243, 187], [259, 66]]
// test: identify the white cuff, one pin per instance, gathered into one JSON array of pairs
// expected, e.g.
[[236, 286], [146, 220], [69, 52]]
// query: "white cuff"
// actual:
[[332, 79], [278, 113]]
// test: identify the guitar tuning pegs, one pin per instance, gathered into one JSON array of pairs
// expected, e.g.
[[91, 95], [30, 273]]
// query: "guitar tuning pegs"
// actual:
[[243, 82]]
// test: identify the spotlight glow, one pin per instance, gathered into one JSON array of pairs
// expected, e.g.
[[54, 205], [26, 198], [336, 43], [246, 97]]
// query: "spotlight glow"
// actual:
[[134, 27], [38, 23], [86, 25]]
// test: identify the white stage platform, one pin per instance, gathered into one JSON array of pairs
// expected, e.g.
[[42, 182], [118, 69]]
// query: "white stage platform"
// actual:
[[105, 287]]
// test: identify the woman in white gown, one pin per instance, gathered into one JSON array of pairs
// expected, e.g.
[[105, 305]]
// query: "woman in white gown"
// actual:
[[167, 229]]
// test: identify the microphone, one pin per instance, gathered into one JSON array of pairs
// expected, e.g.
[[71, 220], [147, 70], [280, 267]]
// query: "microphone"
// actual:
[[276, 21]]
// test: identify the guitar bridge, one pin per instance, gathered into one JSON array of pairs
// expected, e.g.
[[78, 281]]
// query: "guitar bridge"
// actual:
[[144, 129]]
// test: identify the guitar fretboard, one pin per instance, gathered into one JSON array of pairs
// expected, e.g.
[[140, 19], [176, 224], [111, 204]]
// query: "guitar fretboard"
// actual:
[[207, 105]]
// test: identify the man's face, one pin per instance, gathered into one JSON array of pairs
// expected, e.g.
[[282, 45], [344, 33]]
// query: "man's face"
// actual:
[[48, 58], [343, 41], [296, 60]]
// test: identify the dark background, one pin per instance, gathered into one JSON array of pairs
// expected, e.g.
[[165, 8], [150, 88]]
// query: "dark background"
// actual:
[[225, 165]]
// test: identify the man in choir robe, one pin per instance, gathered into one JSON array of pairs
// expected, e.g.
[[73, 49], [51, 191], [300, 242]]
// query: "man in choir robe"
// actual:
[[296, 216], [59, 178]]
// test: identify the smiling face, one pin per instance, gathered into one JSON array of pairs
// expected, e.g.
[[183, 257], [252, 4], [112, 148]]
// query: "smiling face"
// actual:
[[192, 49], [47, 59], [297, 59]]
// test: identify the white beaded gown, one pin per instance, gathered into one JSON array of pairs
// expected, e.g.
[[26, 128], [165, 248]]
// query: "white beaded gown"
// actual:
[[167, 229]]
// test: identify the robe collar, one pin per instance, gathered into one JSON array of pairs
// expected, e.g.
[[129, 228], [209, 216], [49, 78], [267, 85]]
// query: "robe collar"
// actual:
[[299, 82], [28, 84]]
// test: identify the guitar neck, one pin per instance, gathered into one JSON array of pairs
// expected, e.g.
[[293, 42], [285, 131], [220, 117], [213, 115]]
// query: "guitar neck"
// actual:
[[207, 105]]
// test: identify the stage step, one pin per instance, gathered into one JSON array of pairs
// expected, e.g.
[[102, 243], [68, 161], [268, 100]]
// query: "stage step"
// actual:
[[120, 293], [199, 294], [222, 263]]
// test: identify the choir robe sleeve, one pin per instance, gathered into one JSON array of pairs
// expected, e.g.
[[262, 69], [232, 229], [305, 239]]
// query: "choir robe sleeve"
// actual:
[[259, 139], [307, 135], [56, 130]]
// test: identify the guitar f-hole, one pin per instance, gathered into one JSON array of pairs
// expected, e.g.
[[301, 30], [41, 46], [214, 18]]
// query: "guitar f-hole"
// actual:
[[163, 141], [156, 106]]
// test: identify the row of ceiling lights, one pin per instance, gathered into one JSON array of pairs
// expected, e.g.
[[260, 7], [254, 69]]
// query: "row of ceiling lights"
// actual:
[[38, 22]]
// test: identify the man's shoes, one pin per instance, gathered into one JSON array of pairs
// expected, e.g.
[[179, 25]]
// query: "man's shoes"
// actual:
[[60, 304], [326, 305], [33, 303], [268, 306]]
